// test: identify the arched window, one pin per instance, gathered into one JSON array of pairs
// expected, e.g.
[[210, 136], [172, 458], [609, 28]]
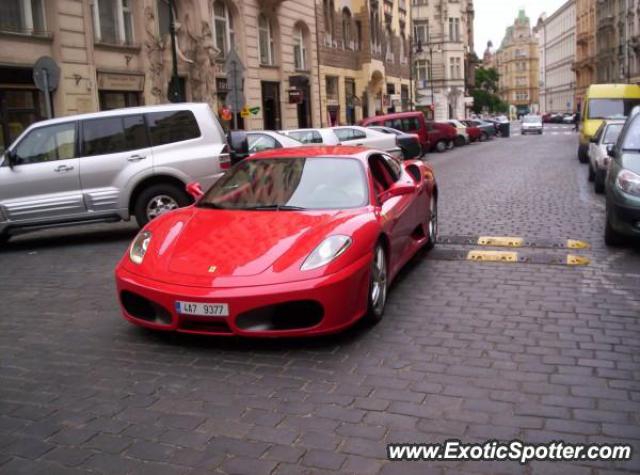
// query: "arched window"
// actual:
[[299, 49], [346, 29], [223, 27], [265, 38]]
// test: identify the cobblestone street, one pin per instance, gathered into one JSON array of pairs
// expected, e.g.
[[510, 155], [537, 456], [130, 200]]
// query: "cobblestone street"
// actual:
[[467, 350]]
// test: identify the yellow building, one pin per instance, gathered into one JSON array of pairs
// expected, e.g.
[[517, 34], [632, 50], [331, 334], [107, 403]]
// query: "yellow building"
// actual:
[[364, 58], [517, 62], [585, 63]]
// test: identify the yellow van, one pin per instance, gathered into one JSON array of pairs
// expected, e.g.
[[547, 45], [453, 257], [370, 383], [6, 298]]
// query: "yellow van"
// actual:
[[604, 101]]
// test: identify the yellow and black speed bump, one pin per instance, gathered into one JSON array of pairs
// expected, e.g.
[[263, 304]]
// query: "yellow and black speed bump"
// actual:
[[509, 257], [514, 241]]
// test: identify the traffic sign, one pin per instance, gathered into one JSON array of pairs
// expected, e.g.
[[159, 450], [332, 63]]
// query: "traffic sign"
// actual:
[[46, 75], [235, 82]]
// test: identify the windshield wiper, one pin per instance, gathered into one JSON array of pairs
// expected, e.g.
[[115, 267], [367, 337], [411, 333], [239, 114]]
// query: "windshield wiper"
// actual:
[[275, 207]]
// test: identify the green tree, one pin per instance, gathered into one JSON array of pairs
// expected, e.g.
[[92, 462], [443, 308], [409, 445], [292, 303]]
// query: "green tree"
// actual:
[[484, 94]]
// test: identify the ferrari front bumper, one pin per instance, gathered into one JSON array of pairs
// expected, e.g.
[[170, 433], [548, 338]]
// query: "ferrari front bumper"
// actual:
[[302, 308]]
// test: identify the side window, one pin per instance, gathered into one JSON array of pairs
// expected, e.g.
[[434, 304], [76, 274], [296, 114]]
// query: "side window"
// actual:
[[384, 174], [344, 134], [135, 132], [409, 125], [172, 126], [394, 167], [316, 137], [306, 136], [259, 142], [359, 134], [47, 144], [103, 136]]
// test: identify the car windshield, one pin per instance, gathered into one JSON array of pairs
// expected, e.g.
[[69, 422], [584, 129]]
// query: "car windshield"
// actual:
[[611, 134], [290, 184], [531, 119], [631, 138], [607, 108]]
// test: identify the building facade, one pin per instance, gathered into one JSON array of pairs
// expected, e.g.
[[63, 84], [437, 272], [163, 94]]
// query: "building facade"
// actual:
[[443, 29], [364, 51], [539, 33], [517, 61], [618, 41], [116, 53], [558, 44], [585, 61]]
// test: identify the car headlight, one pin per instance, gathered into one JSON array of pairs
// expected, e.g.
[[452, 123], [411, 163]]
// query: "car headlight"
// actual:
[[139, 247], [326, 251], [628, 182]]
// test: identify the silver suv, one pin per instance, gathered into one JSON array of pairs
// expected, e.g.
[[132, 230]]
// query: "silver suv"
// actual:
[[108, 166]]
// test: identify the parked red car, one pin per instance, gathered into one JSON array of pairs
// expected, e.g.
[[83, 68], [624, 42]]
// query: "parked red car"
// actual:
[[433, 135], [475, 134], [289, 242]]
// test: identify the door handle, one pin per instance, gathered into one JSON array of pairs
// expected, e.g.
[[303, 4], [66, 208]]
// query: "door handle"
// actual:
[[136, 158], [63, 168]]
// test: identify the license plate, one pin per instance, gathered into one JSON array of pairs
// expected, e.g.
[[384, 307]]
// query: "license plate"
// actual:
[[203, 309]]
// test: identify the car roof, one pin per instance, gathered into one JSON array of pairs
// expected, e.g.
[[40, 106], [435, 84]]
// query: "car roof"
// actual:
[[126, 111], [613, 91], [309, 151]]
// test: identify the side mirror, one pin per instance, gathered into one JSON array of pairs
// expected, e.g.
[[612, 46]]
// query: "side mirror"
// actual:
[[397, 190], [611, 150], [195, 190], [239, 145], [11, 158], [593, 140]]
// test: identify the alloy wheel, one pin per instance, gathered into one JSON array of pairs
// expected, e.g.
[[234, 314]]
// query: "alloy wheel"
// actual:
[[159, 205], [379, 281]]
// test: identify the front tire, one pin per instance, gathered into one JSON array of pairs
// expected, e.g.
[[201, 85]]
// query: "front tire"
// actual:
[[611, 236], [378, 285], [432, 223], [582, 154], [157, 200], [598, 181], [592, 174], [441, 146]]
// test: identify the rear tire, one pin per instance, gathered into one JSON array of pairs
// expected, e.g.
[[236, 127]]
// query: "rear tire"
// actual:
[[611, 236], [378, 285], [158, 199], [441, 146], [459, 141], [592, 174]]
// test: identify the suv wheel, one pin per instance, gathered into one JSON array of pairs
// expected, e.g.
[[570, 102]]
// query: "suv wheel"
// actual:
[[157, 200], [441, 146]]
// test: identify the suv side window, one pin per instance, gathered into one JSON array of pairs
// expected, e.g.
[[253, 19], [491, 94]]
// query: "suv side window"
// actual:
[[172, 126], [47, 144], [113, 135]]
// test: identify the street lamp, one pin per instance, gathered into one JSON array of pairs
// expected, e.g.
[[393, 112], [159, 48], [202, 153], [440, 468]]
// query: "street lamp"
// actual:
[[175, 91]]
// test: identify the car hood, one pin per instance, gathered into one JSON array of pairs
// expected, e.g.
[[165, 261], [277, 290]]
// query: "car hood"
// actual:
[[205, 247]]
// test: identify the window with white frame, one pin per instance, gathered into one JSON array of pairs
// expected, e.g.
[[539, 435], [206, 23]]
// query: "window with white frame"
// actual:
[[23, 16], [223, 27], [454, 29], [265, 38], [113, 21], [422, 70], [346, 29], [421, 32], [455, 68], [299, 49]]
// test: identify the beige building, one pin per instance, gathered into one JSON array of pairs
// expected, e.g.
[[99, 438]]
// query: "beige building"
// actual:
[[618, 41], [517, 62], [585, 61], [557, 46], [116, 53], [444, 30], [364, 58]]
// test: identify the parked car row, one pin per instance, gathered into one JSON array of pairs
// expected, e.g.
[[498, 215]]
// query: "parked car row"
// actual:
[[611, 128], [556, 118]]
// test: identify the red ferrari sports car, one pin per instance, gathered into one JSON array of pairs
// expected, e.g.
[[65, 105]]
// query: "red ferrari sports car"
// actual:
[[289, 242]]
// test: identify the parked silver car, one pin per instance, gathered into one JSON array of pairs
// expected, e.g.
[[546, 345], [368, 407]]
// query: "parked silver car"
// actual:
[[108, 166]]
